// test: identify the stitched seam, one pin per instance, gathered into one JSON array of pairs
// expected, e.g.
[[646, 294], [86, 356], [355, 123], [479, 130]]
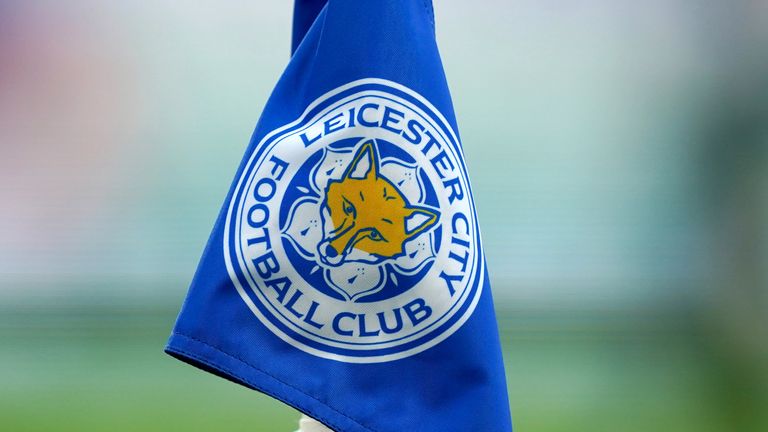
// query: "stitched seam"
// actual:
[[219, 366], [223, 369]]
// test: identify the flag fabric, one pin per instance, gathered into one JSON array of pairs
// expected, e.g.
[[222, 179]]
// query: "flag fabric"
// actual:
[[345, 273]]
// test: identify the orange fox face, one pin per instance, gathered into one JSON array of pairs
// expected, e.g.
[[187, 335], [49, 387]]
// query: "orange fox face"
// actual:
[[366, 217]]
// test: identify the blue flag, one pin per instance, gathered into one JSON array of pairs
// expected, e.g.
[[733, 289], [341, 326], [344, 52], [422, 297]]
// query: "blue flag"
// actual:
[[345, 274]]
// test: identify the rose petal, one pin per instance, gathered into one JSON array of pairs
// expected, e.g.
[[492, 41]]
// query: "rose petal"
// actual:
[[405, 177], [418, 252], [330, 167], [355, 279], [304, 227]]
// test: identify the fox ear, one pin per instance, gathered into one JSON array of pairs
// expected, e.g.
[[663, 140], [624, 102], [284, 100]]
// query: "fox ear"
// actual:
[[365, 163], [419, 219]]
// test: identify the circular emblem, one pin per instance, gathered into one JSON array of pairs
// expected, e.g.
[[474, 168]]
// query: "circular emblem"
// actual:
[[351, 233]]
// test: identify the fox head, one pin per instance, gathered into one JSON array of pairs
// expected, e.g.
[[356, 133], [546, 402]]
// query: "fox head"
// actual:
[[365, 216]]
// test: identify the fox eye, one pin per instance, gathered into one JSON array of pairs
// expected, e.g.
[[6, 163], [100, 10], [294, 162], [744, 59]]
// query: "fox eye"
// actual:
[[375, 235], [349, 208]]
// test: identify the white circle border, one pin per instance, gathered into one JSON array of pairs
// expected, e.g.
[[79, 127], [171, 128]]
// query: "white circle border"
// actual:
[[480, 269]]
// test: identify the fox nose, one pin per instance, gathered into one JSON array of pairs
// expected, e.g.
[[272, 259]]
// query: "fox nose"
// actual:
[[330, 251], [329, 255]]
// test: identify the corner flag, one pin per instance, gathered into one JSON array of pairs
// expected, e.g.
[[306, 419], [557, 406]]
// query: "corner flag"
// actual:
[[345, 274]]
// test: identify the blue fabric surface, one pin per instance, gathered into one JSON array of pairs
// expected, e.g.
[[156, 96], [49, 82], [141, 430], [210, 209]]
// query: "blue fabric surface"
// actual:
[[457, 384]]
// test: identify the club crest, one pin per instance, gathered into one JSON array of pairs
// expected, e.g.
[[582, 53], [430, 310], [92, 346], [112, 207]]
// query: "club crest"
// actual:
[[351, 233]]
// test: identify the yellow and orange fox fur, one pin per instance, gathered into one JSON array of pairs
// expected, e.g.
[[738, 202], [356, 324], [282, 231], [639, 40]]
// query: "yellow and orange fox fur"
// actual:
[[368, 212]]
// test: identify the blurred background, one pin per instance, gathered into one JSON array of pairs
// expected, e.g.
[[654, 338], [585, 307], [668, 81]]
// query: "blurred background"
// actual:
[[618, 151]]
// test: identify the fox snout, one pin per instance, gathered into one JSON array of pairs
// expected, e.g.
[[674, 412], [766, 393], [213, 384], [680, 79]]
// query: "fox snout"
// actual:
[[332, 250], [329, 254]]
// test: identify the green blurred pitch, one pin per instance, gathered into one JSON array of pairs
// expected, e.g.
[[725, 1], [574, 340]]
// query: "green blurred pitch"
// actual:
[[88, 368], [110, 377]]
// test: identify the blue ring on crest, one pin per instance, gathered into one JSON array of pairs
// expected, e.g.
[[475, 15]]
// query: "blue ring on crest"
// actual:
[[236, 200]]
